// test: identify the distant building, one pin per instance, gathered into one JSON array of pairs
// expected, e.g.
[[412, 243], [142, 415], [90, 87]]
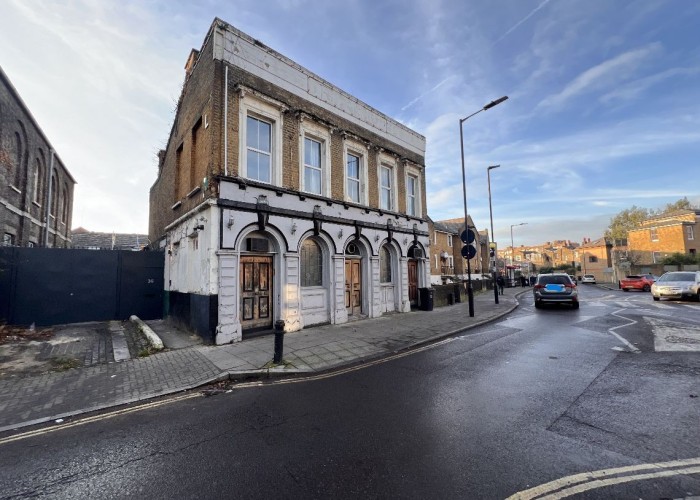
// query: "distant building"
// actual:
[[82, 238], [662, 235], [446, 251], [36, 189], [595, 257], [282, 200]]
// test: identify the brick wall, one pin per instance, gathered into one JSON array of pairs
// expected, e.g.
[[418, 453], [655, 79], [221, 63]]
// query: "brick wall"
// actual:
[[23, 146], [669, 239], [172, 186], [203, 92]]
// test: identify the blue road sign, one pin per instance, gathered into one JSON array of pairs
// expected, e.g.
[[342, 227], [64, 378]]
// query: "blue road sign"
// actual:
[[468, 251], [468, 236]]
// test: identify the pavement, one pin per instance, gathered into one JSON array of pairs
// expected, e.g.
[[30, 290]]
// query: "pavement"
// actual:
[[50, 396]]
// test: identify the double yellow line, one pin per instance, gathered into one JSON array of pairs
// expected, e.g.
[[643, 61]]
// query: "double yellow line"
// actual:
[[586, 481], [184, 397]]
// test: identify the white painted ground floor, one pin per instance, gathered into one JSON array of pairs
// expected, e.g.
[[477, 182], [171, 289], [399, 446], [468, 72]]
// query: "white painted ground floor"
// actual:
[[302, 263]]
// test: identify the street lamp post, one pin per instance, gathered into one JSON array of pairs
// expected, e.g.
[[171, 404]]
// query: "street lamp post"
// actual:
[[512, 248], [470, 290], [493, 238]]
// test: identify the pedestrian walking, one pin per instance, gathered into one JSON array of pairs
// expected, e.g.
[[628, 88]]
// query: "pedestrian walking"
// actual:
[[501, 283]]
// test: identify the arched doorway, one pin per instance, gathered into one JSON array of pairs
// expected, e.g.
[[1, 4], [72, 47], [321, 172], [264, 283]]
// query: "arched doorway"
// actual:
[[415, 256], [353, 280], [388, 278], [256, 283], [314, 280]]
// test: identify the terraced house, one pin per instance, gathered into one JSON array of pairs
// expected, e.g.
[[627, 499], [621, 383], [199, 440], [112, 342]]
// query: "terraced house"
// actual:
[[665, 234], [282, 200]]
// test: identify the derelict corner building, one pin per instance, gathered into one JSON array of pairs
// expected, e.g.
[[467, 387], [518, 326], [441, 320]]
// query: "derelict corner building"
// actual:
[[281, 199]]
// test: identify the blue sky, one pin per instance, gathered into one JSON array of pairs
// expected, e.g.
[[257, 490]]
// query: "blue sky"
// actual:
[[603, 110]]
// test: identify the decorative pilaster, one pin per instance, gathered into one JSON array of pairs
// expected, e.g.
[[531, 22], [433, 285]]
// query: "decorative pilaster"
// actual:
[[291, 300], [340, 313], [229, 328]]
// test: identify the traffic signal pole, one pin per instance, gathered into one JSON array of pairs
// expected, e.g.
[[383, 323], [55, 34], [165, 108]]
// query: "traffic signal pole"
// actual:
[[470, 290]]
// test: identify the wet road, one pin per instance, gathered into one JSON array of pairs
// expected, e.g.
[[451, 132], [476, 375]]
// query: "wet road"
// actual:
[[527, 401]]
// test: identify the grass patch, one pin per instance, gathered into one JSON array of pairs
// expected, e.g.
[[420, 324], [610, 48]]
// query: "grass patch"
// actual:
[[147, 351]]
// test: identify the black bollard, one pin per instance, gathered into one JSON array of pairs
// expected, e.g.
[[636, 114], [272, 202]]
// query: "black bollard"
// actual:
[[279, 341]]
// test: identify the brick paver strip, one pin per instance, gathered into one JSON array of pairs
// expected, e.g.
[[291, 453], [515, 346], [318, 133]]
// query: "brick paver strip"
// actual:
[[58, 395], [32, 400]]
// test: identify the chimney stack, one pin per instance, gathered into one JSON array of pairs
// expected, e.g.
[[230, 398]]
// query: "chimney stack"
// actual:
[[190, 62]]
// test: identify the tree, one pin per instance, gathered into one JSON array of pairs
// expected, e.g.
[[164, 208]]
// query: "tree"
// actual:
[[621, 224], [632, 218], [676, 259], [682, 204]]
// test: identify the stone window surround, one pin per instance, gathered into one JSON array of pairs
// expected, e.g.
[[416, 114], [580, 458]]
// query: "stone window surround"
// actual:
[[263, 108], [415, 172], [385, 160], [319, 133], [360, 150]]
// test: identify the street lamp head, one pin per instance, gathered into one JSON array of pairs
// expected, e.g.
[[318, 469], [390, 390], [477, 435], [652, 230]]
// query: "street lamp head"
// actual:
[[492, 167], [496, 102]]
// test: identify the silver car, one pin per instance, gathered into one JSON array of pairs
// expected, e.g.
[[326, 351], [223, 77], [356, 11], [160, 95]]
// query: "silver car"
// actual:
[[677, 285], [556, 288]]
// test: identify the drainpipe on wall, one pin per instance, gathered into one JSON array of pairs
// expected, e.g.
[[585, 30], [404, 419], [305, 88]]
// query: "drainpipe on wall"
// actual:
[[226, 121], [48, 204]]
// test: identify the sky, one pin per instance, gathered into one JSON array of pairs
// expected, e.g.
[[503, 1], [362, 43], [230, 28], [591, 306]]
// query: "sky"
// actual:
[[603, 110]]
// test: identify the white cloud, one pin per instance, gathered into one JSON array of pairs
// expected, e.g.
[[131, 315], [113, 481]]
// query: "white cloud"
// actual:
[[604, 75], [635, 89]]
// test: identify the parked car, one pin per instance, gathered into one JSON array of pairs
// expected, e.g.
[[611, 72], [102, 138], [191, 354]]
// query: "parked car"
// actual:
[[637, 282], [588, 278], [555, 288], [677, 285]]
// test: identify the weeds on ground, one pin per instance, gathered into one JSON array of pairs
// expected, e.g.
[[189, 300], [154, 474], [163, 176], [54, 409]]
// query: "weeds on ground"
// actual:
[[64, 363], [147, 351]]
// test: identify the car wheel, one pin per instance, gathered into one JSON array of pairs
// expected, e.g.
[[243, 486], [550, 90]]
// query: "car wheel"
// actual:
[[656, 298], [646, 288], [538, 305], [625, 290], [575, 305]]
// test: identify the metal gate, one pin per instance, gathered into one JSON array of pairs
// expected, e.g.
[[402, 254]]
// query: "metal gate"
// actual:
[[50, 286]]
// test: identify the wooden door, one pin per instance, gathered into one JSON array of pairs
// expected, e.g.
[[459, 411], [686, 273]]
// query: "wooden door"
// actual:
[[413, 282], [353, 287], [256, 292]]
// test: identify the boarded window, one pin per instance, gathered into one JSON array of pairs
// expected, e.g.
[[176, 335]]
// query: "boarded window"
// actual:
[[311, 264], [384, 265]]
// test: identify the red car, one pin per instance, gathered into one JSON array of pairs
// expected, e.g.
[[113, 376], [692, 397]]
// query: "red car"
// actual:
[[637, 282]]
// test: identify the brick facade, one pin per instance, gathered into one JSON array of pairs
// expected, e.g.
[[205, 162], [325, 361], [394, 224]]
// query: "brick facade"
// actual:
[[202, 88], [231, 188], [595, 258], [665, 234], [446, 251], [32, 177]]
